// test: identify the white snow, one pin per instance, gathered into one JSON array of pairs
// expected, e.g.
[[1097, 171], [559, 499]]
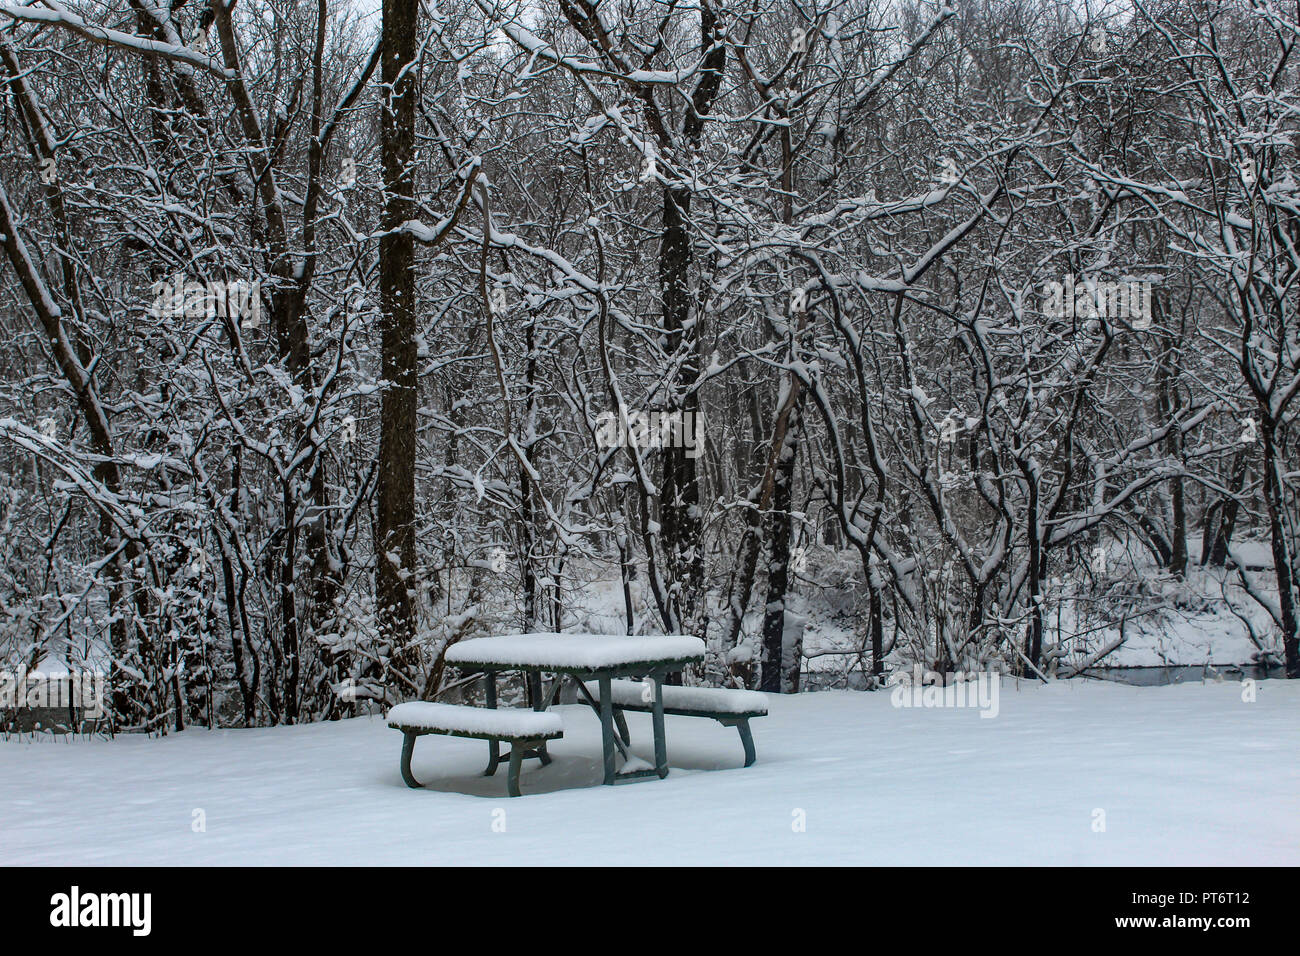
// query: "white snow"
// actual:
[[1185, 622], [506, 721], [1185, 774], [575, 650], [630, 693]]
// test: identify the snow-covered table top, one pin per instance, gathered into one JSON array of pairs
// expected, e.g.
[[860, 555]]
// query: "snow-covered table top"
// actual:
[[575, 652]]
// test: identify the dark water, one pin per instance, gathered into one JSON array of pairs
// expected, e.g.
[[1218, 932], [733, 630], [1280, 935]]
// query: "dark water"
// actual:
[[1184, 673], [27, 720], [822, 680]]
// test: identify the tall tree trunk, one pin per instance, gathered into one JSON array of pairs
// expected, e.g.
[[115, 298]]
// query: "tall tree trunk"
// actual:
[[528, 508], [876, 624], [1033, 648], [395, 521], [778, 569], [750, 543], [1282, 568], [679, 505], [775, 669], [1170, 406]]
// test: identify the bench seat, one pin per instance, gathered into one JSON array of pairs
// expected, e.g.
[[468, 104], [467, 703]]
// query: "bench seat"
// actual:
[[526, 730], [459, 720], [688, 701], [731, 708]]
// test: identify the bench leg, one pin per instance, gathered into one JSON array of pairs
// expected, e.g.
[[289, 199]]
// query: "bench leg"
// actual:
[[496, 757], [408, 748], [517, 748], [746, 738]]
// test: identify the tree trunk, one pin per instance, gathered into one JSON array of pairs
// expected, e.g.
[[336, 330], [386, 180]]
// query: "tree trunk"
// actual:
[[679, 505], [395, 520], [778, 577], [1227, 520], [1170, 406], [1286, 598]]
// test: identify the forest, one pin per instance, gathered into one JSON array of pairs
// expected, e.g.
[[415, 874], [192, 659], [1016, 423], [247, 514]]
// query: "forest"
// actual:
[[846, 335]]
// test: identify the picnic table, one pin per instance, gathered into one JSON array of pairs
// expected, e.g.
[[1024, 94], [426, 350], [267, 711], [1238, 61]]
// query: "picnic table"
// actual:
[[583, 658]]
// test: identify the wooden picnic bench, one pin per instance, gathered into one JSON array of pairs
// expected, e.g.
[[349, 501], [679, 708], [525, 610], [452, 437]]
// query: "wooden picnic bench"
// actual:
[[598, 665], [527, 732], [731, 708], [599, 658]]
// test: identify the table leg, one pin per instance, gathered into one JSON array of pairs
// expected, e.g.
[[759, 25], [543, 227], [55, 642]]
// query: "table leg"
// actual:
[[539, 703], [494, 752], [661, 745], [621, 723], [557, 685], [607, 726], [619, 741]]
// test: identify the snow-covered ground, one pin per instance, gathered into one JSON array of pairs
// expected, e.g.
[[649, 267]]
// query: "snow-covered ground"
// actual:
[[1183, 774]]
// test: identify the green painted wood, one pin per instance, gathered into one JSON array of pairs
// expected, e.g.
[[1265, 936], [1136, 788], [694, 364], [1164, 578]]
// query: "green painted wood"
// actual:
[[539, 704], [747, 740], [441, 732], [611, 742], [689, 712], [661, 745], [595, 706], [512, 777], [408, 748], [739, 721], [520, 749], [634, 774], [556, 686], [607, 727], [490, 698]]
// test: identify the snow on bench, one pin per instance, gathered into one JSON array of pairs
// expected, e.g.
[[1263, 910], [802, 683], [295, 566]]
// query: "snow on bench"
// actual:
[[526, 730], [631, 695], [461, 721], [731, 708]]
